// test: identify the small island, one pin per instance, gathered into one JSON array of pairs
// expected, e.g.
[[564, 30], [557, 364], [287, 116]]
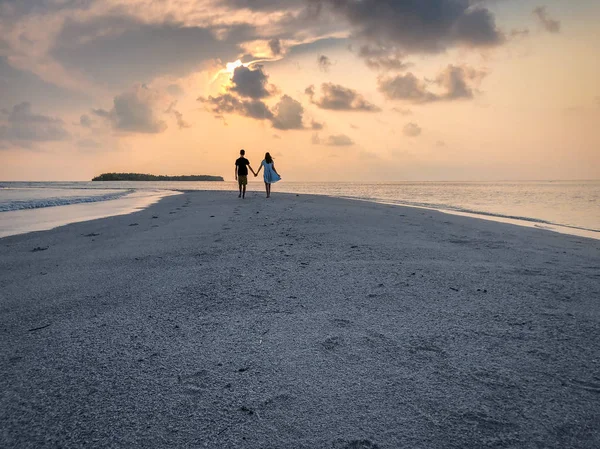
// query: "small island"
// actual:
[[144, 177]]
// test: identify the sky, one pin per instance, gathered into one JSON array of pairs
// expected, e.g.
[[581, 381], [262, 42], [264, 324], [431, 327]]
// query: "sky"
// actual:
[[335, 90]]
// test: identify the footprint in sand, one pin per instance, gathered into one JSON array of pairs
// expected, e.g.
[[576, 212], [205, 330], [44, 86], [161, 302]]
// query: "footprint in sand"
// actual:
[[340, 322], [332, 343], [134, 224], [39, 248]]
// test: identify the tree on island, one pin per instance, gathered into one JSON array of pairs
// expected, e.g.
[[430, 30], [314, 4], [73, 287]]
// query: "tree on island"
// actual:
[[144, 177]]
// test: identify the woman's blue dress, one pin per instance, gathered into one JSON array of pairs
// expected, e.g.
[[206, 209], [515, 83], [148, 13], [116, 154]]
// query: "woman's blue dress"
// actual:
[[269, 174]]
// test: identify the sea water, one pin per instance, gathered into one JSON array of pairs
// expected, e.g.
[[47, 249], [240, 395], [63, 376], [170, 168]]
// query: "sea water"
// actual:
[[565, 206]]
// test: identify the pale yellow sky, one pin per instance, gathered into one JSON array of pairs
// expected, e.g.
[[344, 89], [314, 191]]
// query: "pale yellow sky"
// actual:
[[92, 91]]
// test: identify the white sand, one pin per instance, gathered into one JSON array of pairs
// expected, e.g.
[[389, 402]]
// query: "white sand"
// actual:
[[298, 322]]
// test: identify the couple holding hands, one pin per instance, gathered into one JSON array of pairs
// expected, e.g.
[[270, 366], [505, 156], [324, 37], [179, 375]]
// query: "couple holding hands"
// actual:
[[270, 175]]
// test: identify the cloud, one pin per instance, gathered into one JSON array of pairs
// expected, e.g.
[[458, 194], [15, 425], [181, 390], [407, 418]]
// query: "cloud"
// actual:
[[275, 46], [340, 140], [456, 83], [412, 130], [288, 114], [339, 98], [378, 57], [86, 121], [251, 83], [418, 26], [181, 123], [137, 110], [229, 104], [406, 87], [549, 24], [324, 63], [316, 125], [315, 139], [402, 111], [117, 50], [440, 143], [21, 126]]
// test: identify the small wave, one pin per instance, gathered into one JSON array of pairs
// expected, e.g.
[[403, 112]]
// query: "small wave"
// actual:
[[51, 202]]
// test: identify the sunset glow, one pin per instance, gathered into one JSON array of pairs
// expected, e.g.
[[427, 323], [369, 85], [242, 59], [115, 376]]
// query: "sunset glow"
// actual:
[[501, 90]]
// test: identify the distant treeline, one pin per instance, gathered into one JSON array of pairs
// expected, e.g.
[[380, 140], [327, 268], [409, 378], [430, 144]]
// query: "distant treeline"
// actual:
[[143, 177]]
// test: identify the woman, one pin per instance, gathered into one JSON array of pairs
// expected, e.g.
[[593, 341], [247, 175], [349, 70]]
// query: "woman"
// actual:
[[270, 175]]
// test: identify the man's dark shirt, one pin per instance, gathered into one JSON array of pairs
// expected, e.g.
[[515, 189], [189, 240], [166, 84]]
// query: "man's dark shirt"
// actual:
[[242, 165]]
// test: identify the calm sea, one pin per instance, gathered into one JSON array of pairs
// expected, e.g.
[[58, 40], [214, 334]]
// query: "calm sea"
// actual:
[[565, 206]]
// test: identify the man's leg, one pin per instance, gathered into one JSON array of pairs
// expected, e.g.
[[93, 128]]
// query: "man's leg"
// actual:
[[240, 186], [244, 192]]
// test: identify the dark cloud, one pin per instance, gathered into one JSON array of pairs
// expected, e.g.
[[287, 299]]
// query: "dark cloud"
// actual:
[[418, 26], [13, 9], [324, 63], [229, 104], [138, 110], [288, 114], [21, 126], [412, 130], [456, 81], [381, 58], [86, 121], [17, 86], [251, 83], [275, 46], [119, 50], [406, 87], [340, 140], [549, 24], [263, 5], [339, 98]]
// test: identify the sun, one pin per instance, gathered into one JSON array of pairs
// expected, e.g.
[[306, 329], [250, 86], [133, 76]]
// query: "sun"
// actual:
[[231, 66]]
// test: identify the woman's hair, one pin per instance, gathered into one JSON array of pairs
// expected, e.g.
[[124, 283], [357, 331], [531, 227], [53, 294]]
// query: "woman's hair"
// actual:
[[268, 158]]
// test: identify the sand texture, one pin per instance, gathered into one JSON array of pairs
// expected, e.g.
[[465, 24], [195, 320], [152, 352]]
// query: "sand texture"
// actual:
[[298, 322]]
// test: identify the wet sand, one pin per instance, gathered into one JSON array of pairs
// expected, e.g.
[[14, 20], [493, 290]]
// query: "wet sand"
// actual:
[[298, 322]]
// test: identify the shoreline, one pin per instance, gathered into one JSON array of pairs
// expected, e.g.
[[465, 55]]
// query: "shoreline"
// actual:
[[24, 221], [91, 211], [301, 322]]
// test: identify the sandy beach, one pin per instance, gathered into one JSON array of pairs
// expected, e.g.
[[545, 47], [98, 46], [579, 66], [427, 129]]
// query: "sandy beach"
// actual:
[[298, 322]]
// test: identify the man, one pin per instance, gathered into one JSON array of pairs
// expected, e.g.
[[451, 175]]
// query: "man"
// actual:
[[241, 173]]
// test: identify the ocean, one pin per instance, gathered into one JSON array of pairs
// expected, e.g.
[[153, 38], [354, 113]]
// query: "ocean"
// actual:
[[571, 207]]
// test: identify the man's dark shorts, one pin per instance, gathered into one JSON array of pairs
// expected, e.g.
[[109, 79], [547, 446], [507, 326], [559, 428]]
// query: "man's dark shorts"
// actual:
[[242, 180]]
